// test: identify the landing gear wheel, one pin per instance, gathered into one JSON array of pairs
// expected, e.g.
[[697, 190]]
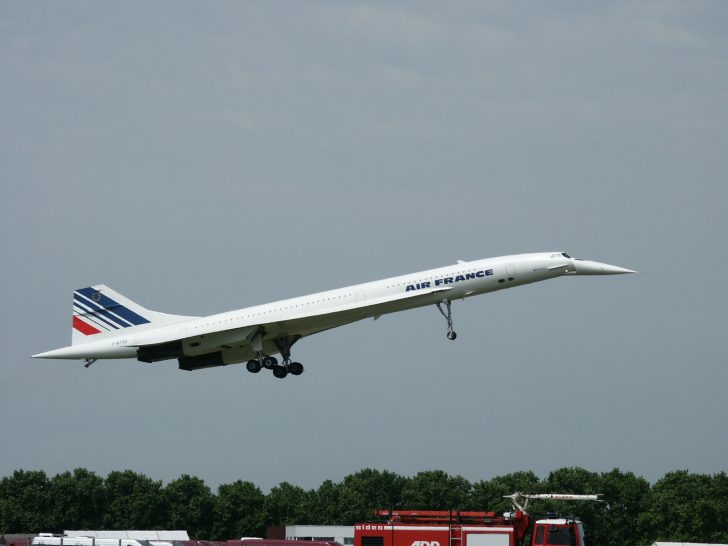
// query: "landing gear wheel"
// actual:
[[280, 372], [295, 368], [269, 362], [253, 366], [451, 336]]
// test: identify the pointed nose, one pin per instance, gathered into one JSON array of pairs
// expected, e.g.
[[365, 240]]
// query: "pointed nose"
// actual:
[[587, 267]]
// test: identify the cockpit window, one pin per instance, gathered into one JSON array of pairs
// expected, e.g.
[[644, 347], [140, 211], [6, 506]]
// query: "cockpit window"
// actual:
[[565, 255]]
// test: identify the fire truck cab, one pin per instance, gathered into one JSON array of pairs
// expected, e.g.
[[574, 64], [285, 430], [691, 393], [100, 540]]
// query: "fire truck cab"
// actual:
[[561, 531]]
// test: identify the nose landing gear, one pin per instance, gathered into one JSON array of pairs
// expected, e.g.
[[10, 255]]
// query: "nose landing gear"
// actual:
[[451, 335]]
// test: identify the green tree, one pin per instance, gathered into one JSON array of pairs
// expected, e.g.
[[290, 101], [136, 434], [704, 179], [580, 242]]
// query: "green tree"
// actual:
[[77, 499], [436, 490], [679, 507], [716, 524], [572, 480], [287, 504], [686, 507], [190, 505], [25, 502], [239, 511], [367, 490], [624, 499], [327, 501], [134, 501]]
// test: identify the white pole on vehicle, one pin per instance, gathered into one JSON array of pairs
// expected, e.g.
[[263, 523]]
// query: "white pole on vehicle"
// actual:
[[517, 498]]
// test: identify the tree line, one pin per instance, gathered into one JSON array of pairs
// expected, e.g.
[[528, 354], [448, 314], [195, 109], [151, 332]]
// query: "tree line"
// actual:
[[680, 506]]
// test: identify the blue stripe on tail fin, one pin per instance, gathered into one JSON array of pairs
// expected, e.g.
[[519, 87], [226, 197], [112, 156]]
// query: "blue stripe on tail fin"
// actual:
[[106, 309]]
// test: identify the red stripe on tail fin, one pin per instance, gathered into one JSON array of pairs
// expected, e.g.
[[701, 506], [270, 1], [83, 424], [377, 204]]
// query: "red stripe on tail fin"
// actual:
[[83, 327]]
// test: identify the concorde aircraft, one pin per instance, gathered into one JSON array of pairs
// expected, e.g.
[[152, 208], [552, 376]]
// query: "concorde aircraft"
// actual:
[[109, 325]]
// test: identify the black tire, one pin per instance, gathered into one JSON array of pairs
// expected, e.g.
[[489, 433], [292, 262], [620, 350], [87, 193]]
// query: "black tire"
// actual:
[[451, 336], [280, 372], [269, 362], [295, 368], [253, 366]]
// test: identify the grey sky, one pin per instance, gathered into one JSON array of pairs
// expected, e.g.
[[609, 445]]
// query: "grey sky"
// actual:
[[204, 157]]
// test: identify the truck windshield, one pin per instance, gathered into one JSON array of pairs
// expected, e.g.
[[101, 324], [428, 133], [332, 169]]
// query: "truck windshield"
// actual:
[[561, 536]]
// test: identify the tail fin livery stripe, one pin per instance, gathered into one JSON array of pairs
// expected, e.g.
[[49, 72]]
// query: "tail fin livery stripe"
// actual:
[[99, 312], [106, 302], [84, 328], [88, 317], [89, 309]]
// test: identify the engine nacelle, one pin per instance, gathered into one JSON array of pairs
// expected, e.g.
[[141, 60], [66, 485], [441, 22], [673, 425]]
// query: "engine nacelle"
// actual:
[[163, 351], [208, 360]]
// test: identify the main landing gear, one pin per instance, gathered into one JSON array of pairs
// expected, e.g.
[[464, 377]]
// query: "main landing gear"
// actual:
[[451, 335], [271, 363], [287, 366]]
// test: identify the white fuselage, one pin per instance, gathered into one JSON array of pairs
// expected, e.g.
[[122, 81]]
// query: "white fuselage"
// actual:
[[324, 310]]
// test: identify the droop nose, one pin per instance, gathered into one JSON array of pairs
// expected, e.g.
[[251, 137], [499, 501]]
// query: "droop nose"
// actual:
[[587, 267]]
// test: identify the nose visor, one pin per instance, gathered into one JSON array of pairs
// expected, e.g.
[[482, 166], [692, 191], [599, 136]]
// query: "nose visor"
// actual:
[[587, 267]]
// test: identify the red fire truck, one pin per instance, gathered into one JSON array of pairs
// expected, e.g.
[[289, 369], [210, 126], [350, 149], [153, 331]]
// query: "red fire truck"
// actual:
[[459, 528]]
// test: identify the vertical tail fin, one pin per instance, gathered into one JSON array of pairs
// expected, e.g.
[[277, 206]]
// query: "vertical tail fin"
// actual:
[[99, 311]]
